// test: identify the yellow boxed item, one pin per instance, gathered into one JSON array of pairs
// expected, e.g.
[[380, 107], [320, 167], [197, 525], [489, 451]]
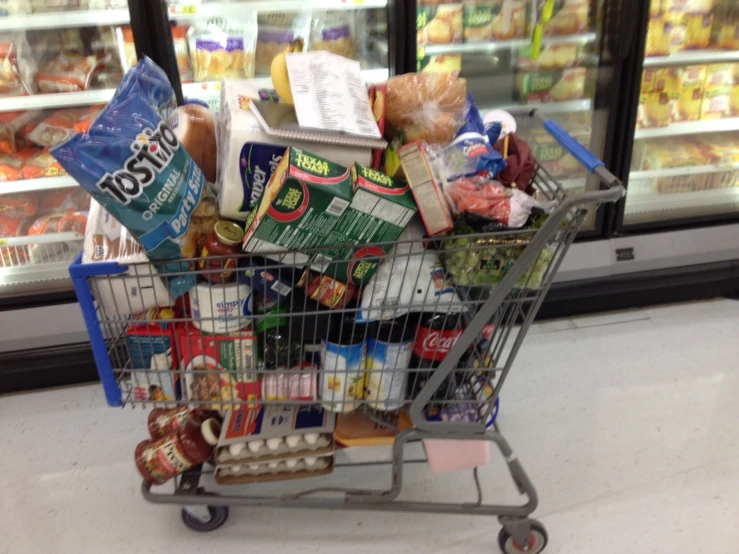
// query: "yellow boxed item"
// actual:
[[728, 36], [552, 56], [654, 110], [439, 24], [666, 154], [654, 7], [451, 64], [569, 17], [698, 28], [665, 34], [683, 183], [684, 85], [648, 80], [551, 86], [693, 6], [510, 23], [716, 103], [723, 148], [719, 75], [734, 105]]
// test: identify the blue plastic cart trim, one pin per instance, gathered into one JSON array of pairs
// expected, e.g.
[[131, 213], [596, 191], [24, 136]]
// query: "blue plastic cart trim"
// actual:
[[80, 273], [580, 153]]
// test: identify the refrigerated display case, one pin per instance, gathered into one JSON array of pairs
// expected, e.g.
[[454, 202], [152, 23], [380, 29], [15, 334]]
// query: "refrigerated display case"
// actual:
[[216, 40], [685, 159]]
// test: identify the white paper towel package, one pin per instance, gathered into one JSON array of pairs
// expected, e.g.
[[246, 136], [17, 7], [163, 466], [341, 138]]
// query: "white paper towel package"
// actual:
[[248, 155]]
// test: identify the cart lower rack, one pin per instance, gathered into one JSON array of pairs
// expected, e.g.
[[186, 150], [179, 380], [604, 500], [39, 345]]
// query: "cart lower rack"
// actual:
[[449, 315]]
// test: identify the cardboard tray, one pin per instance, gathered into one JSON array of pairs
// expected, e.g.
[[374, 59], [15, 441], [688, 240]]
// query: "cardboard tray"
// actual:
[[272, 477]]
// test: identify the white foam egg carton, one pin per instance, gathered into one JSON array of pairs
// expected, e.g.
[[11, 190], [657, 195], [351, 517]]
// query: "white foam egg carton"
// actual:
[[293, 465], [273, 447]]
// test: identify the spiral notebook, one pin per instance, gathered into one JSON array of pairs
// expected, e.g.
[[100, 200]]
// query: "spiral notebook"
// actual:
[[280, 120]]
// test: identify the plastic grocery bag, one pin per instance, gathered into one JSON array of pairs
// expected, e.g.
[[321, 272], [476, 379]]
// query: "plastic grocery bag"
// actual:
[[411, 280]]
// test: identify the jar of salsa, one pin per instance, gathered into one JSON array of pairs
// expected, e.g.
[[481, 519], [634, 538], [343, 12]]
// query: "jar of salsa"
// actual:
[[325, 290], [159, 460], [224, 240]]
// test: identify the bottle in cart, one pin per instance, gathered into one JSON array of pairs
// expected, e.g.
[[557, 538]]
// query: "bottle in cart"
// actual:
[[159, 460], [388, 359], [343, 362], [436, 334]]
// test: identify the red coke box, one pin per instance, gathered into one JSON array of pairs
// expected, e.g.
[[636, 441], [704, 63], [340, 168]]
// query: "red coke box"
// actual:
[[231, 358]]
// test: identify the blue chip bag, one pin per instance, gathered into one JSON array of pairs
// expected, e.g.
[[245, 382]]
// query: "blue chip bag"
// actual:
[[133, 164]]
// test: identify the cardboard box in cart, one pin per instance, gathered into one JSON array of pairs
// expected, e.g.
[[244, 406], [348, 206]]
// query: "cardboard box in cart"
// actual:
[[381, 209], [299, 208]]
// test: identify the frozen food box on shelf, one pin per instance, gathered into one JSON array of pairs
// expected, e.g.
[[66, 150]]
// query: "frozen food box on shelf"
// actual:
[[439, 23], [152, 345], [569, 17], [380, 210], [218, 369], [717, 96], [301, 205], [552, 56], [248, 156], [675, 152], [446, 63], [557, 85], [487, 20]]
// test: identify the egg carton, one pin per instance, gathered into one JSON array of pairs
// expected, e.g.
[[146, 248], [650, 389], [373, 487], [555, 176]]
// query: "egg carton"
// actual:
[[275, 447], [259, 472]]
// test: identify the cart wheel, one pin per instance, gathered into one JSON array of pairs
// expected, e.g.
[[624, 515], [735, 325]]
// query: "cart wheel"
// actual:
[[218, 516], [537, 540]]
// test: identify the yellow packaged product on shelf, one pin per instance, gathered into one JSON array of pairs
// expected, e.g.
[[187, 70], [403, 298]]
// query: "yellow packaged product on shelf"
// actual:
[[734, 104], [510, 23], [667, 153], [698, 27], [439, 24], [692, 6], [665, 34], [654, 110], [728, 36], [685, 88], [716, 103], [569, 17], [722, 147]]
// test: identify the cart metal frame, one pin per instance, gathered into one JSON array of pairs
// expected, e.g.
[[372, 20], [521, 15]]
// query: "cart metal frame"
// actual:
[[506, 304]]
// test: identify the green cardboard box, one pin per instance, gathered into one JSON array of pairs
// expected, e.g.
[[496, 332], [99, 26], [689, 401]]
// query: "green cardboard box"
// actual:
[[380, 210], [302, 203]]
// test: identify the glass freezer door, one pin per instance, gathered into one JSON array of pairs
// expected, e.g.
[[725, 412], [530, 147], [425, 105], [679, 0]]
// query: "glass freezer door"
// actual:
[[239, 39], [488, 42], [59, 61], [685, 159]]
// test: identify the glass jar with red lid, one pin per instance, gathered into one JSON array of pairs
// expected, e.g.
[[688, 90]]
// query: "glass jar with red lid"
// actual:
[[222, 245]]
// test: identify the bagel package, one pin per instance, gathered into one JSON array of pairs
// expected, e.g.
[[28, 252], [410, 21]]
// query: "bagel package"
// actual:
[[426, 106]]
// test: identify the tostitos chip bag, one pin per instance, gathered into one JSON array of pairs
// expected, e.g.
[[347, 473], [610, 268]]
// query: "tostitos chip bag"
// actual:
[[133, 164]]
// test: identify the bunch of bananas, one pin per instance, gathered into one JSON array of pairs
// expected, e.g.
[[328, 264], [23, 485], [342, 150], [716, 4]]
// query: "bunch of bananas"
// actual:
[[279, 74]]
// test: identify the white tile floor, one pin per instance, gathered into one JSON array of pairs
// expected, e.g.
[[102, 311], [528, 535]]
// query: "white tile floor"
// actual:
[[626, 422]]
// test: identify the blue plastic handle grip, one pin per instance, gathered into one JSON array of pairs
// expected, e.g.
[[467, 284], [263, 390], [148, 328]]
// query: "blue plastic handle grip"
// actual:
[[581, 154]]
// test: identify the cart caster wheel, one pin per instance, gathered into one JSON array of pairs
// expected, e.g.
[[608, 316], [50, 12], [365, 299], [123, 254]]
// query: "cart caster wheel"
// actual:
[[218, 516], [537, 540]]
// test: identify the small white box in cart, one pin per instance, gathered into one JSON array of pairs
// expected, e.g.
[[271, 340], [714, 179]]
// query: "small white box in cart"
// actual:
[[275, 420]]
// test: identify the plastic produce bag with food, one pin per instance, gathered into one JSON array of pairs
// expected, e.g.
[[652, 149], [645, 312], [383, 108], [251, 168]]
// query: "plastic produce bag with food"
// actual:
[[469, 155], [276, 32], [195, 127], [480, 196], [70, 72], [17, 68], [133, 164], [426, 106], [332, 31], [408, 280], [223, 49]]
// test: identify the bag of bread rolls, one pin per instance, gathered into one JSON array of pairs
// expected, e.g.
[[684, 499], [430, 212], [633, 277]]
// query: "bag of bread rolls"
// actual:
[[426, 106]]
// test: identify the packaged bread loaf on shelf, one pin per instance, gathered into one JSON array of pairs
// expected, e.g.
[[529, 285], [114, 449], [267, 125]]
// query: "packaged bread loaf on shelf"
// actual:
[[17, 65], [224, 49], [276, 32]]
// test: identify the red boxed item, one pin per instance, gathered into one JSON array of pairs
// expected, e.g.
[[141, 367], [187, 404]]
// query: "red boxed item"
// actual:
[[232, 358], [152, 346], [433, 207]]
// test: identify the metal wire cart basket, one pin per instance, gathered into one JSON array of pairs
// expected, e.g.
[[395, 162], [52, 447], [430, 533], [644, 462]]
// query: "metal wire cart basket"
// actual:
[[250, 347]]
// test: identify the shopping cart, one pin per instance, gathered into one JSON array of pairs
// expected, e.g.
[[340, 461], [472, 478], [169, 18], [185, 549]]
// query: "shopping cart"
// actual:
[[495, 304]]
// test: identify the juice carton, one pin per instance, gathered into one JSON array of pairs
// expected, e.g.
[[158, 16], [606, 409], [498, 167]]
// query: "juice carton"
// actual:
[[300, 206], [381, 209], [231, 358], [152, 346]]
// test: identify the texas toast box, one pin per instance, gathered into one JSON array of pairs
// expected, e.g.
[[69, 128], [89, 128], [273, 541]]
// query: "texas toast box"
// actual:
[[380, 210], [300, 206]]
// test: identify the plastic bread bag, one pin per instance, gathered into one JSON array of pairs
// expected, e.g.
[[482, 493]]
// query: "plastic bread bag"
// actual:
[[10, 124], [468, 155], [426, 106], [332, 31], [11, 166], [70, 72], [62, 124], [409, 280], [222, 49], [195, 127], [42, 164], [133, 164], [17, 67], [276, 32]]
